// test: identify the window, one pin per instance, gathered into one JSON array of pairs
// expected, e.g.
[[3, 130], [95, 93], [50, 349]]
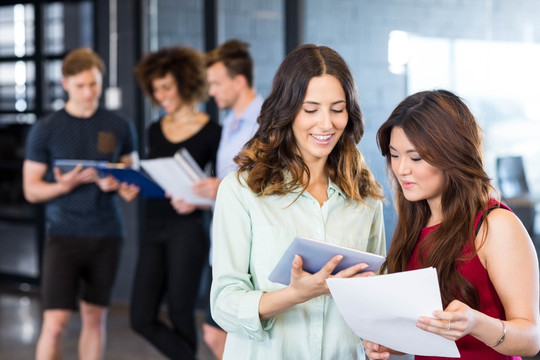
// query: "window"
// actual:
[[30, 87]]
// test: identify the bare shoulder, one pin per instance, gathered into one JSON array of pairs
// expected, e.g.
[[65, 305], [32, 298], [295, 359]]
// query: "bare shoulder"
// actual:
[[504, 222], [506, 236]]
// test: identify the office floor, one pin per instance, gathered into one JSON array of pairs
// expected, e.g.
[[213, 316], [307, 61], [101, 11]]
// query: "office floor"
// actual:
[[20, 320], [20, 324]]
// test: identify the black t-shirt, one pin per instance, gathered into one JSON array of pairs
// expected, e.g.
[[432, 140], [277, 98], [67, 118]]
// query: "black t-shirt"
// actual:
[[202, 146], [86, 211]]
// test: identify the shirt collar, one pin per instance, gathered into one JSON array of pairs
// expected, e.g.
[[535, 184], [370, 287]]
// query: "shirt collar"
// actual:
[[332, 187], [252, 111]]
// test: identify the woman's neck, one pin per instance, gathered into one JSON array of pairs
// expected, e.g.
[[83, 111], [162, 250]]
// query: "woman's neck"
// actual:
[[183, 124], [183, 115], [318, 183], [317, 170], [436, 213]]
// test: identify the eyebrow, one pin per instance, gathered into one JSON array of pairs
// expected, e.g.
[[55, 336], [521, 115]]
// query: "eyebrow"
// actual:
[[317, 103], [407, 152]]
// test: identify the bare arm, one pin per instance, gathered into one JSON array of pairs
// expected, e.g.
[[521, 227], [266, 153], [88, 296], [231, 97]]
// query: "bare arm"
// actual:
[[37, 190], [510, 260]]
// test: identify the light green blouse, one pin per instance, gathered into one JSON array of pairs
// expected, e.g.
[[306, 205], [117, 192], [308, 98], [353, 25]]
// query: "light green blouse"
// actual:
[[250, 235]]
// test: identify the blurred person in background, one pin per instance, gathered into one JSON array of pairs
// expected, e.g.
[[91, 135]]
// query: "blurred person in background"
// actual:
[[83, 222], [230, 79], [174, 248]]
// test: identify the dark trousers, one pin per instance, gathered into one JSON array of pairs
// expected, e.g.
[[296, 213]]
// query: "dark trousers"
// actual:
[[169, 266]]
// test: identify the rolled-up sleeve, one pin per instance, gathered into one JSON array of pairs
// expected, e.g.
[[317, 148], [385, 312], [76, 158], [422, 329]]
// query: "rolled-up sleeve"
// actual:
[[234, 301]]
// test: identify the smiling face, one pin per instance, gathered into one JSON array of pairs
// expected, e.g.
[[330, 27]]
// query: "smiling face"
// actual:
[[418, 179], [321, 120], [165, 91], [84, 90]]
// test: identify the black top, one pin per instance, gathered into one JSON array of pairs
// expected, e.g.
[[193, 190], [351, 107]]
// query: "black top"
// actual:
[[202, 146], [86, 211]]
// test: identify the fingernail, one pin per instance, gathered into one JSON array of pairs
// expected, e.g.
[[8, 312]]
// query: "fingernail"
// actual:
[[340, 257]]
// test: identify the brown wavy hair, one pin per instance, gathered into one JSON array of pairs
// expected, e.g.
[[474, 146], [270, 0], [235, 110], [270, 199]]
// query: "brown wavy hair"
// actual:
[[273, 148], [446, 135], [186, 65], [235, 56]]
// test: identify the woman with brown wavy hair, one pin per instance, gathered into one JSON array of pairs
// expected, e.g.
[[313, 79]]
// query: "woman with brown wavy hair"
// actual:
[[485, 260], [300, 174]]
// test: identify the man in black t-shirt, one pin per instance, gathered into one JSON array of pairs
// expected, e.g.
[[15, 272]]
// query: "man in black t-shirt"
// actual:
[[84, 230]]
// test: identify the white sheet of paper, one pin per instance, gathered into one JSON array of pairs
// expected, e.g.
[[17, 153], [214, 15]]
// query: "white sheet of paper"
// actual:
[[170, 176], [385, 308]]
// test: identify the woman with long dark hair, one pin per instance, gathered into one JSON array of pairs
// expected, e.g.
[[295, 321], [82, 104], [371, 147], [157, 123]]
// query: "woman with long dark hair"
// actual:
[[448, 219]]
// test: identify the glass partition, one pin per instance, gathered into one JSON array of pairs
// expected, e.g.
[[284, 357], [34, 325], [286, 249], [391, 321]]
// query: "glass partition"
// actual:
[[486, 51], [181, 22], [30, 88], [261, 24], [17, 29], [18, 86]]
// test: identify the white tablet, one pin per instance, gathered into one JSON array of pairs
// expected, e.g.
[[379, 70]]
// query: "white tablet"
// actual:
[[315, 254]]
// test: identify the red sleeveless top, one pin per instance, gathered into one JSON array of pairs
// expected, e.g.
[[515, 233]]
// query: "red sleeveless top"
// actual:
[[469, 347]]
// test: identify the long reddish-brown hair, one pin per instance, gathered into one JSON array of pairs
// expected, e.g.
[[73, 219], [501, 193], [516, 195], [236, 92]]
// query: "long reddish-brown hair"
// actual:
[[446, 135], [273, 148]]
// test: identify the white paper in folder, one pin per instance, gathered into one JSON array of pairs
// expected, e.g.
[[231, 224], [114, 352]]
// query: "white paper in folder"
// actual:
[[385, 308], [176, 175]]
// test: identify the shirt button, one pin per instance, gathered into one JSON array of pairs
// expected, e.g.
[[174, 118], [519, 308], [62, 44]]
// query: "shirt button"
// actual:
[[319, 231]]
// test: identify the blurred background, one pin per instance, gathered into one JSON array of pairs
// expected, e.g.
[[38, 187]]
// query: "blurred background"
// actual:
[[486, 51]]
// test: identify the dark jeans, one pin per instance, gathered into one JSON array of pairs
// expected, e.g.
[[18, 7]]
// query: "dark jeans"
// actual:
[[169, 266]]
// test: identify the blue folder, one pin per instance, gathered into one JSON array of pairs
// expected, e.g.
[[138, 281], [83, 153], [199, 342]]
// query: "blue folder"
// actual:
[[148, 188]]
